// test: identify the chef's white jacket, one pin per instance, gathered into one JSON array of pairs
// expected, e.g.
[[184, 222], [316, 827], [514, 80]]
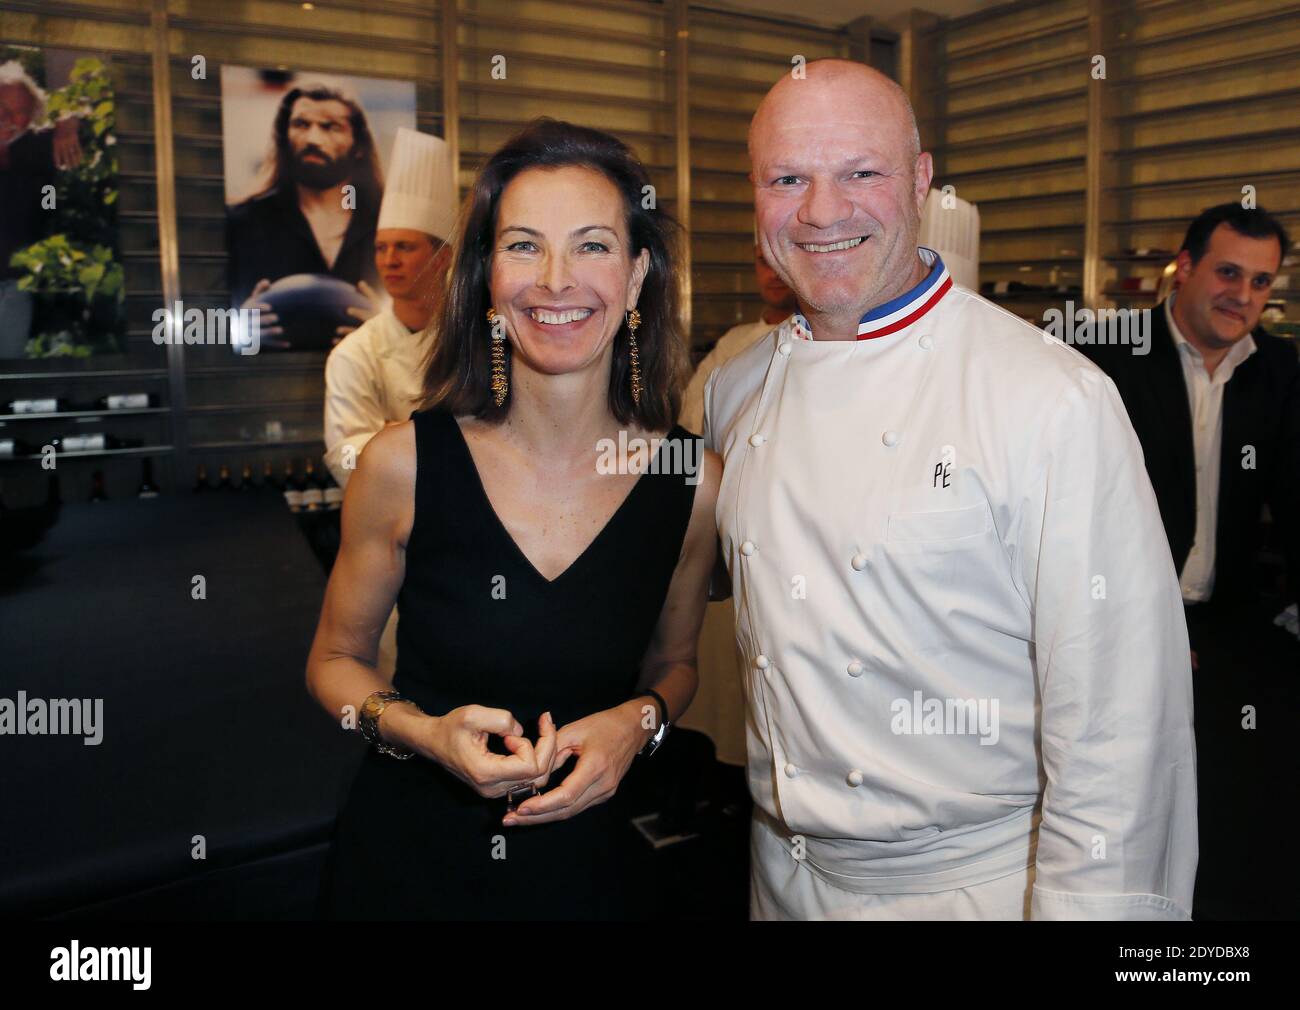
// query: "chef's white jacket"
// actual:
[[718, 708], [373, 375], [955, 599]]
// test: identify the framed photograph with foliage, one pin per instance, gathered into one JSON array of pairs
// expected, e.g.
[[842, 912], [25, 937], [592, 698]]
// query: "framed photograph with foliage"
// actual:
[[61, 277]]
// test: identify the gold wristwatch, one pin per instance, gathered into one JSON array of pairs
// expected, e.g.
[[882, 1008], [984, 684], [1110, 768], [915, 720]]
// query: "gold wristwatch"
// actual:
[[368, 723]]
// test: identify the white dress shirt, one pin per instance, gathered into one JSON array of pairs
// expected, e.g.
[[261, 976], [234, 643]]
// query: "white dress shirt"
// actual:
[[374, 375], [955, 601], [1205, 403]]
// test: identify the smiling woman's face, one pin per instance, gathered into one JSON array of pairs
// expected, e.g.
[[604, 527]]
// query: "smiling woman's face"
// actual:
[[561, 274]]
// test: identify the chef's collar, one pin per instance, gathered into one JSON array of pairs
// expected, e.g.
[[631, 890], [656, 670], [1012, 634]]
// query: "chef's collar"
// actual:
[[900, 312], [391, 336]]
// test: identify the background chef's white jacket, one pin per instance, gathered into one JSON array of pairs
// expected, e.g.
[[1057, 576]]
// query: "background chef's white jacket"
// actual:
[[728, 346], [957, 507], [372, 376]]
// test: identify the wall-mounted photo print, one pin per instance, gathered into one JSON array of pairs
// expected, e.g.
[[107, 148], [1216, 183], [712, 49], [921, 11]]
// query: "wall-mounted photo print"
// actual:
[[304, 177], [61, 291]]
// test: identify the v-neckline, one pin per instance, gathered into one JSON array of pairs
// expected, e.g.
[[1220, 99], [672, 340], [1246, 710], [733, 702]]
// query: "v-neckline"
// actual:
[[509, 538]]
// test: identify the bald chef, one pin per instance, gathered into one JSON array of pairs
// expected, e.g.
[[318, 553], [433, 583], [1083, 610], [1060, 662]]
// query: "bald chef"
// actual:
[[967, 673], [373, 377]]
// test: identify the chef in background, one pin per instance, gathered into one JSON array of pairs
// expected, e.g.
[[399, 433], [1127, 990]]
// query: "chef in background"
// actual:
[[778, 302], [373, 376]]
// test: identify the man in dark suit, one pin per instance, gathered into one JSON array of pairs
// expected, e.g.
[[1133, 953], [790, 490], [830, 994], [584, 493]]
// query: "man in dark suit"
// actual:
[[1216, 406]]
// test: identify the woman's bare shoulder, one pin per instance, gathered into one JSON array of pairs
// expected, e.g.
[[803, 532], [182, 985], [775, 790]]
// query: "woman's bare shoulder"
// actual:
[[389, 457], [382, 491]]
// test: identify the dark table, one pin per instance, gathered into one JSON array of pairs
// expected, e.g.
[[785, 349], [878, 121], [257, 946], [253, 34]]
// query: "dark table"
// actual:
[[208, 729]]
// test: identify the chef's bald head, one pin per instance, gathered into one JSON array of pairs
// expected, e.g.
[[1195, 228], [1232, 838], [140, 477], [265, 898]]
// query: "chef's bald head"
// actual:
[[837, 90]]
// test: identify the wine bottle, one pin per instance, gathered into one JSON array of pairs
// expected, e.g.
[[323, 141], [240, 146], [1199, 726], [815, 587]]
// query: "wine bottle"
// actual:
[[147, 489], [91, 442], [292, 488], [97, 492], [41, 405], [313, 497], [127, 401], [333, 493], [223, 479], [246, 478], [97, 441], [269, 480], [14, 448], [201, 481]]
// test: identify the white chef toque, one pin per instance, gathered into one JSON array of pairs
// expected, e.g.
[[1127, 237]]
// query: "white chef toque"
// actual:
[[954, 233], [420, 189]]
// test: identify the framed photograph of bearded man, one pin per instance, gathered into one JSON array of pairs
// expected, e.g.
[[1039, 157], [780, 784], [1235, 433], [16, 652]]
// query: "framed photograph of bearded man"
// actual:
[[304, 158]]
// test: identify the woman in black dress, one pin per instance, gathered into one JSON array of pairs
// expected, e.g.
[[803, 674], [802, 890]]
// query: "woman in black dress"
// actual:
[[547, 532]]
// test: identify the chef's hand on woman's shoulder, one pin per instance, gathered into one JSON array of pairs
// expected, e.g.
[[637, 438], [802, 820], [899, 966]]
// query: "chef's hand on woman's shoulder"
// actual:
[[459, 742]]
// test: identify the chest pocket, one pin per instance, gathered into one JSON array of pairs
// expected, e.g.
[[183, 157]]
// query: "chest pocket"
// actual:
[[931, 561], [946, 529]]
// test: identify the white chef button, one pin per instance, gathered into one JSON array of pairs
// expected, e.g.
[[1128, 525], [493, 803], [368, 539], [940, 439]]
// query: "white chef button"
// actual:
[[855, 778], [926, 342], [748, 548], [855, 669], [784, 348], [890, 438], [757, 439], [762, 662], [859, 562], [790, 770]]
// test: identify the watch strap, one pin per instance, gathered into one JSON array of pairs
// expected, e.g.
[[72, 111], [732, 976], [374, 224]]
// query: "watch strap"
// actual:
[[661, 730], [368, 723]]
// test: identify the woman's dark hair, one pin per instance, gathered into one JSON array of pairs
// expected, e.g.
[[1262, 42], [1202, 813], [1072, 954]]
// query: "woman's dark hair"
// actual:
[[458, 369]]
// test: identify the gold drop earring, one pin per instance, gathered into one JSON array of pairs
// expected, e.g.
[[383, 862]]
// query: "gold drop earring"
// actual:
[[500, 384], [633, 321]]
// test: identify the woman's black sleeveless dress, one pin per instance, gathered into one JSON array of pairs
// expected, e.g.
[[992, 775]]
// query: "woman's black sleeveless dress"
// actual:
[[478, 624]]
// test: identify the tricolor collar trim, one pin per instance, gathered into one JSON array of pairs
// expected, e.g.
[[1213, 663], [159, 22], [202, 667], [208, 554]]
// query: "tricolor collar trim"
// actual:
[[902, 311]]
